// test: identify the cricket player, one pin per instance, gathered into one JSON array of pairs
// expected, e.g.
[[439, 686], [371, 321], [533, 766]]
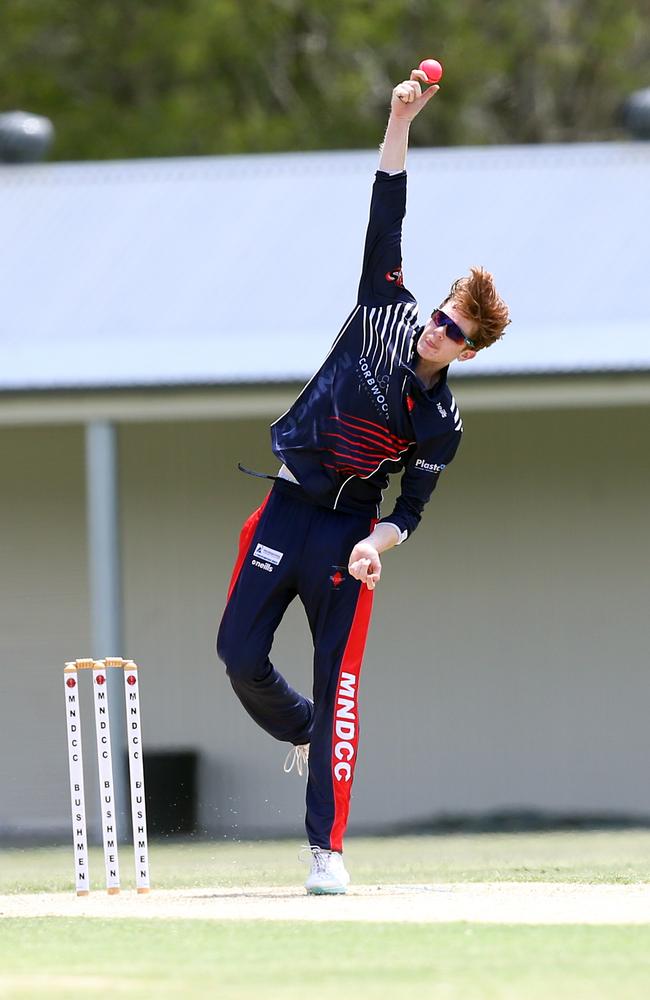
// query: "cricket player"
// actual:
[[379, 404]]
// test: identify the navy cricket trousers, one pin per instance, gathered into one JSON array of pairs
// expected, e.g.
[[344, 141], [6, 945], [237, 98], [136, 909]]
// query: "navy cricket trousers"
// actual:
[[290, 547]]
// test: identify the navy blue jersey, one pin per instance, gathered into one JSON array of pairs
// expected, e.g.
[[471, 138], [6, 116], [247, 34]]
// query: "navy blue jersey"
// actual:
[[365, 413]]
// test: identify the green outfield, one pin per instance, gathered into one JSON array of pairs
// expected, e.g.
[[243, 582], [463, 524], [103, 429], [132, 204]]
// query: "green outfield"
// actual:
[[598, 856], [329, 961], [279, 960]]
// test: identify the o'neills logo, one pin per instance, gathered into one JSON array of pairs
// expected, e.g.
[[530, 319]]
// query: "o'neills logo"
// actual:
[[345, 726], [266, 566]]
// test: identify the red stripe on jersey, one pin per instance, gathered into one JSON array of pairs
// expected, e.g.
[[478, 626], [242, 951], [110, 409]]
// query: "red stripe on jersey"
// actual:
[[345, 725], [245, 539], [382, 448], [367, 451], [360, 465], [367, 437], [366, 431], [377, 428], [339, 468]]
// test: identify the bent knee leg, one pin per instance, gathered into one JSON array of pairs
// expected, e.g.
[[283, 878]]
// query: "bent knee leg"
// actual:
[[244, 660]]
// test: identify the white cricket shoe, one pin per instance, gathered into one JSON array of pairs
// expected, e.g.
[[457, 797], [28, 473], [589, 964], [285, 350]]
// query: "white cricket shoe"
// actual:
[[328, 875], [298, 756]]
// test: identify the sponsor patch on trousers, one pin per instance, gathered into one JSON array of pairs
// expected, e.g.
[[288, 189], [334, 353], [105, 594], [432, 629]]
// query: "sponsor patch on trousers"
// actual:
[[267, 554]]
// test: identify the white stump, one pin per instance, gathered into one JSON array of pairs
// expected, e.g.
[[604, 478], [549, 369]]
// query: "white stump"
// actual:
[[105, 771], [75, 763]]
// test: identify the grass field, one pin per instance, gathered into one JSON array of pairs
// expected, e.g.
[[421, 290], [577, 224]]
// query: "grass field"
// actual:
[[62, 957], [598, 856], [264, 961]]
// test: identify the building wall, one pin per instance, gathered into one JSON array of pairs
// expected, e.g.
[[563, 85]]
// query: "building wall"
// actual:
[[507, 663], [43, 615]]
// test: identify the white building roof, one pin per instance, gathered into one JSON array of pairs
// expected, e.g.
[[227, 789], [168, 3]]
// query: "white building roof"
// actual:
[[241, 269]]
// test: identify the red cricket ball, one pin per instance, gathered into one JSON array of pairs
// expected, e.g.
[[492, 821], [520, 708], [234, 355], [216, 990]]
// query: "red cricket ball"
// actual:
[[432, 68]]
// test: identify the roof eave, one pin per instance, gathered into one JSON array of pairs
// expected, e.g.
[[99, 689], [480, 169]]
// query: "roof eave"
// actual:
[[266, 400]]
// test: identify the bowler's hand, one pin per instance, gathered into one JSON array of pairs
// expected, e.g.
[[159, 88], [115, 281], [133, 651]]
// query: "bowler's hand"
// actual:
[[408, 99], [364, 564]]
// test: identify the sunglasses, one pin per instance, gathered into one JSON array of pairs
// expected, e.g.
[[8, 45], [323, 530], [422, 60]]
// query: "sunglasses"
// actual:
[[452, 330]]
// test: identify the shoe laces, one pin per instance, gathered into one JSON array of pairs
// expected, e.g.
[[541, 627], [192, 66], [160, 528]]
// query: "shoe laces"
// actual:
[[320, 858], [298, 757]]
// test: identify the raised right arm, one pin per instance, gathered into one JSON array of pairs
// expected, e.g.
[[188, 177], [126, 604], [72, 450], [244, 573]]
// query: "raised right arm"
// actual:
[[381, 276], [406, 102]]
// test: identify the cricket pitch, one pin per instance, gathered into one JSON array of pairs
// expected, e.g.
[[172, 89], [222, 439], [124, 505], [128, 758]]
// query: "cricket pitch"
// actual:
[[482, 902]]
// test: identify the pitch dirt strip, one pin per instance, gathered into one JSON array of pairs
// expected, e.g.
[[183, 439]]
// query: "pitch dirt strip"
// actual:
[[487, 902]]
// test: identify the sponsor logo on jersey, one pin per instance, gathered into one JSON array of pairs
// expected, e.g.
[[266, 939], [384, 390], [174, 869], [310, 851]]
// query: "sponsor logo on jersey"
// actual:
[[345, 726], [428, 466], [376, 390], [396, 275], [269, 555], [441, 410]]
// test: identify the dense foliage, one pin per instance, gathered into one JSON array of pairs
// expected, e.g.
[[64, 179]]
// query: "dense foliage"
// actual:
[[124, 78]]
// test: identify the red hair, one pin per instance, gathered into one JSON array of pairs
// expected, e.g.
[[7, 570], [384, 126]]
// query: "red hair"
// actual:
[[476, 297]]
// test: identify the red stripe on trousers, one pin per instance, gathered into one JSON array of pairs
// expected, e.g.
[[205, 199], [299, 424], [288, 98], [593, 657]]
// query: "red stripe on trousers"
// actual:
[[345, 730], [245, 539]]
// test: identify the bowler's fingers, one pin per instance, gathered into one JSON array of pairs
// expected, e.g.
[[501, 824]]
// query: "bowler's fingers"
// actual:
[[359, 569], [408, 91], [419, 74], [428, 94]]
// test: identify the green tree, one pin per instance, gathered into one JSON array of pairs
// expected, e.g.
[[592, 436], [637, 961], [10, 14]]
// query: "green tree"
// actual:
[[181, 77]]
